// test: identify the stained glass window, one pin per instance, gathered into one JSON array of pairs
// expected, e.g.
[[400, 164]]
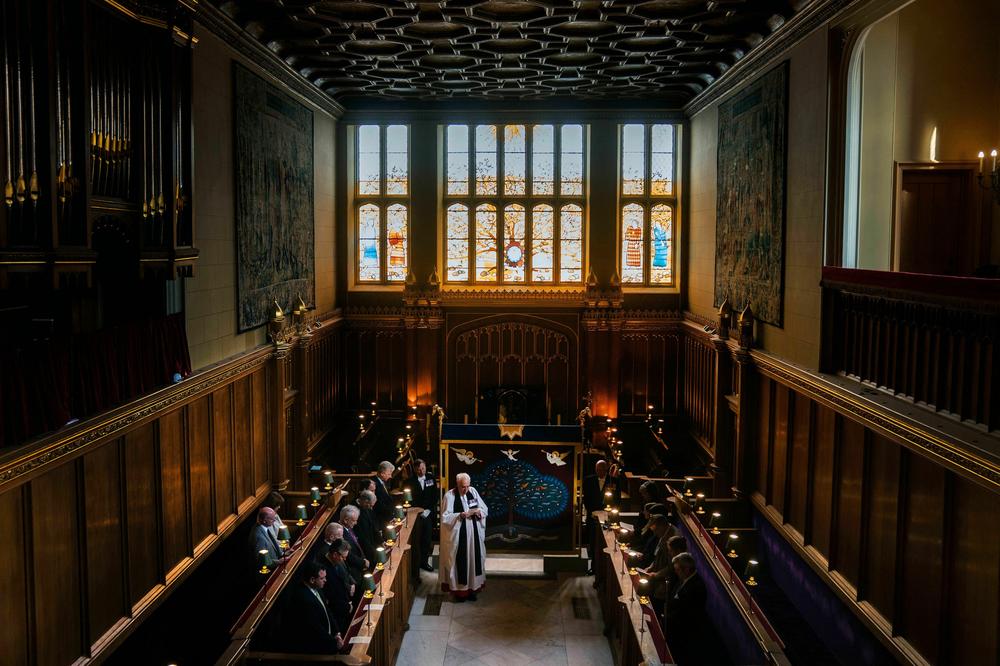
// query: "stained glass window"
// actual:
[[486, 159], [540, 238], [486, 243], [383, 183], [542, 228], [648, 203], [458, 243]]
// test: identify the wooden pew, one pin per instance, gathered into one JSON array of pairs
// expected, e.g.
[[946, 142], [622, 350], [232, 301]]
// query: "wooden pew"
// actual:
[[635, 633], [376, 630]]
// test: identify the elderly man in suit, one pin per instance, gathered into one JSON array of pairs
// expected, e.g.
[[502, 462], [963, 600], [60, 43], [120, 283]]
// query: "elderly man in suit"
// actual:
[[385, 507], [685, 619], [340, 587], [603, 480], [262, 539], [368, 533], [658, 571]]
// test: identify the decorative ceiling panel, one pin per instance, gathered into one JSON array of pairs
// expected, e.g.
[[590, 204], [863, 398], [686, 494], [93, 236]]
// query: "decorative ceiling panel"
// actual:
[[666, 51]]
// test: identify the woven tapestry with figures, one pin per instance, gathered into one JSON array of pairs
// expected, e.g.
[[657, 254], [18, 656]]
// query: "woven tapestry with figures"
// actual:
[[750, 222]]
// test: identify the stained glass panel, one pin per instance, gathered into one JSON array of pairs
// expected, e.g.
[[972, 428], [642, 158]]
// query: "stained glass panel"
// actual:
[[369, 160], [571, 161], [632, 243], [396, 242], [633, 159], [458, 243], [661, 179], [513, 243], [513, 159], [541, 243], [571, 244], [368, 243], [486, 243], [397, 165], [458, 159], [486, 159], [660, 225], [542, 160]]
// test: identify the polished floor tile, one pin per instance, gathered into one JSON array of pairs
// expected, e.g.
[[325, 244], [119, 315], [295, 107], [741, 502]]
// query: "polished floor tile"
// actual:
[[515, 621]]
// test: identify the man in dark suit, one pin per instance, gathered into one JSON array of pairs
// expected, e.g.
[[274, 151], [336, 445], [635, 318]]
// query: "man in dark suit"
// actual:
[[426, 495], [357, 564], [385, 506], [684, 623], [604, 479], [308, 626], [366, 530], [262, 538], [658, 571], [340, 587]]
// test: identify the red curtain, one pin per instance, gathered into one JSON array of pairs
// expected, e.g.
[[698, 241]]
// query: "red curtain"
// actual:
[[46, 384]]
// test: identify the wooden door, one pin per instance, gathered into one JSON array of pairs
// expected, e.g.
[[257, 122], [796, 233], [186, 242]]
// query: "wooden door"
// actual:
[[937, 227]]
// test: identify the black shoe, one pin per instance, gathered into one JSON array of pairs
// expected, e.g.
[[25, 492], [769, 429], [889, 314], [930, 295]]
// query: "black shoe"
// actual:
[[427, 567], [458, 600], [590, 572], [473, 597]]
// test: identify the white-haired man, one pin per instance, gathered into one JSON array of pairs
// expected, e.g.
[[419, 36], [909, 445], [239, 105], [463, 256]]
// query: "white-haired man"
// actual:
[[384, 505], [463, 540]]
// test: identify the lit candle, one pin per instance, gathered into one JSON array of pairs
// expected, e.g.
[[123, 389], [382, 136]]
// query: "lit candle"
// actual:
[[981, 156], [300, 513]]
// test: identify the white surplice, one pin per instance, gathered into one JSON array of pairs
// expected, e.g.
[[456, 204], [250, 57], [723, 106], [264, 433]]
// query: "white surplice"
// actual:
[[451, 529]]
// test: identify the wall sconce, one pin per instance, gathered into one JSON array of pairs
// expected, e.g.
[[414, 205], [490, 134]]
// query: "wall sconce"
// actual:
[[994, 175]]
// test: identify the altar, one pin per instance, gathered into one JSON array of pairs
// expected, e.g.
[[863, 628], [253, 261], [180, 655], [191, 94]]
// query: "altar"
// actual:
[[528, 475]]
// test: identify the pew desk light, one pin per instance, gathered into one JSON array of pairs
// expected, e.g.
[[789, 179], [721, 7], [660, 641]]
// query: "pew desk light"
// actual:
[[749, 580], [713, 528], [614, 519], [300, 513], [262, 559], [699, 504], [380, 558], [390, 535], [687, 481], [284, 537], [643, 590], [314, 496], [407, 498], [731, 546], [328, 476]]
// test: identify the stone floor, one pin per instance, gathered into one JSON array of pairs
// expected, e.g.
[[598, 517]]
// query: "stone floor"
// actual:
[[515, 621]]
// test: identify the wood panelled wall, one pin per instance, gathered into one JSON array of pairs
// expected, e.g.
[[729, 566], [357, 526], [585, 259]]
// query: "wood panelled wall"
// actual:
[[649, 372], [104, 519], [699, 382], [912, 543], [375, 368]]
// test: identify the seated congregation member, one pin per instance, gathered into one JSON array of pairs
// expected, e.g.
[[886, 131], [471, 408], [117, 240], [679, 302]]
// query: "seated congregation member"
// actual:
[[385, 507], [658, 570], [340, 587], [685, 621], [594, 486], [357, 564], [261, 537], [308, 627], [652, 491], [648, 539], [275, 501], [368, 533], [463, 540], [675, 546], [425, 495]]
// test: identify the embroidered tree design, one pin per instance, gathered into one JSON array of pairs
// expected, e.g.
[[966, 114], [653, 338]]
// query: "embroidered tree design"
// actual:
[[514, 486]]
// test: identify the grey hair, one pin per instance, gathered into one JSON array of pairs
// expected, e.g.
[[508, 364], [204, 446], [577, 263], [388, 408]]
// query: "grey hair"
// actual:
[[333, 527], [350, 510], [367, 495], [462, 476], [385, 465], [686, 560]]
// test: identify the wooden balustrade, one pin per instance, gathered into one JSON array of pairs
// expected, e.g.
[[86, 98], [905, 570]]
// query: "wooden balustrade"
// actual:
[[920, 337]]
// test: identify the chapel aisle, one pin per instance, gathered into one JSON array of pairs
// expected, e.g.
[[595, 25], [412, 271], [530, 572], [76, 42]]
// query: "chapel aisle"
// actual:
[[556, 622]]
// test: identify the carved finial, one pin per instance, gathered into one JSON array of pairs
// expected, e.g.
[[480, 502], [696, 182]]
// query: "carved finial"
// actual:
[[411, 279], [592, 279], [279, 314], [616, 279], [302, 304], [745, 322], [433, 280], [725, 318]]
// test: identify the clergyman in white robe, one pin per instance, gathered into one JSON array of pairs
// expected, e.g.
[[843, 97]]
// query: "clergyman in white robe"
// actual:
[[463, 542]]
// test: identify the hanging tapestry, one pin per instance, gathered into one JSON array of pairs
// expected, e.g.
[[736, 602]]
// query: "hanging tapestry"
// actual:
[[274, 199], [750, 221]]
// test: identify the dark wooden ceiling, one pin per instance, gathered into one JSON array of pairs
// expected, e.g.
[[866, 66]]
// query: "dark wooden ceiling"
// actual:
[[665, 51]]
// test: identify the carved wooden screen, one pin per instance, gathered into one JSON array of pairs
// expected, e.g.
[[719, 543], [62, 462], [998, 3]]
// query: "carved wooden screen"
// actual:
[[501, 352]]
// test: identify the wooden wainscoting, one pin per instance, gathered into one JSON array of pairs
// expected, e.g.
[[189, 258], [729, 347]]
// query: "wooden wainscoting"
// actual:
[[106, 517], [700, 387], [910, 542], [649, 372]]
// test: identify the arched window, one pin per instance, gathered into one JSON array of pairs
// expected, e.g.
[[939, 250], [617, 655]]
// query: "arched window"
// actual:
[[382, 187]]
